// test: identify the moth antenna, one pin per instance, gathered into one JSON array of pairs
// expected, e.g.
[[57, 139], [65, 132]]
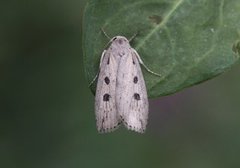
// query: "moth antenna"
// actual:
[[110, 39], [105, 34], [132, 37]]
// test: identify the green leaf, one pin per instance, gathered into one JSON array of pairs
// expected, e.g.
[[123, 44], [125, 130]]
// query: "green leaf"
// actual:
[[186, 41]]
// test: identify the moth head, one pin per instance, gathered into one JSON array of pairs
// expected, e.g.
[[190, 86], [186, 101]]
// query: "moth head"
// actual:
[[119, 40]]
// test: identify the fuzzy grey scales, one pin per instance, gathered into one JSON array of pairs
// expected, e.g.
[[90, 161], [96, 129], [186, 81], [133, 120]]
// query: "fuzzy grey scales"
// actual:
[[121, 96]]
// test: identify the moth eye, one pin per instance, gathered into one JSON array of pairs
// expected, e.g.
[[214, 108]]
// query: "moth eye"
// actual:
[[114, 38], [136, 96], [106, 97], [107, 80], [135, 79]]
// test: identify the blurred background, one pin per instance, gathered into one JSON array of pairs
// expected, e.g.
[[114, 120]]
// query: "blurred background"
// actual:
[[47, 111]]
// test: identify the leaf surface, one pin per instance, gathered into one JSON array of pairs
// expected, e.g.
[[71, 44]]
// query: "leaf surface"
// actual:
[[186, 41]]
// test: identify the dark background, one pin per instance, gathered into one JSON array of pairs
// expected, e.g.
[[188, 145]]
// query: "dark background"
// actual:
[[47, 110]]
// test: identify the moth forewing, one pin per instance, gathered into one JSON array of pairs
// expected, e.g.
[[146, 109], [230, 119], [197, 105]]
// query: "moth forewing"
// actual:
[[131, 94], [105, 103]]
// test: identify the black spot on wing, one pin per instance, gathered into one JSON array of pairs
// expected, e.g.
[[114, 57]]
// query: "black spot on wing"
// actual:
[[108, 61], [106, 97], [136, 96], [135, 79], [107, 80]]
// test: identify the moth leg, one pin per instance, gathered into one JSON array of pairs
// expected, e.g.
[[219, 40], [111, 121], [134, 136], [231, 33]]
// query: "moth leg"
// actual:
[[103, 54], [141, 62]]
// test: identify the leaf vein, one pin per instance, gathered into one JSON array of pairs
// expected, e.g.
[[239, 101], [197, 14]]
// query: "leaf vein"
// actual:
[[162, 24]]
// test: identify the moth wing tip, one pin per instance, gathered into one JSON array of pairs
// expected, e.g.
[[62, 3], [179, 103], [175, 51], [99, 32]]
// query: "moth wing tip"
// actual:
[[108, 129], [135, 128], [138, 130]]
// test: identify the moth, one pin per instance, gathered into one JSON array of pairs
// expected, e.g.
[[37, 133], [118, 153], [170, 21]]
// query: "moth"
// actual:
[[121, 94]]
